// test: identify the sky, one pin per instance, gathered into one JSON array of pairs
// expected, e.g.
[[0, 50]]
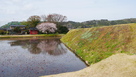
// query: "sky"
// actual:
[[75, 10]]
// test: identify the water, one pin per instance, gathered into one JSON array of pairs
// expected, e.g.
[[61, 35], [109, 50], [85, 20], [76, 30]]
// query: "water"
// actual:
[[36, 57]]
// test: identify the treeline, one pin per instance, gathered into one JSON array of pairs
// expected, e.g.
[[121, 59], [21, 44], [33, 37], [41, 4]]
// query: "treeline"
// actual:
[[86, 24], [97, 23], [35, 20]]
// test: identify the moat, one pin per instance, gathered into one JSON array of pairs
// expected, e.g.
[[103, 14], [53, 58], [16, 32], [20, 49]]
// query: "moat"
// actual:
[[36, 57]]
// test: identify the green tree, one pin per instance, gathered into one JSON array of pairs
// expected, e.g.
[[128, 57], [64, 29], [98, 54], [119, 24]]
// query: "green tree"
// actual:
[[27, 27], [33, 21], [17, 30], [2, 32], [24, 23], [62, 29]]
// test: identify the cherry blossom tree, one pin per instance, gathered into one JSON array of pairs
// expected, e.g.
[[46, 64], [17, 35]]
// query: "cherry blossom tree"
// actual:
[[47, 27], [52, 47]]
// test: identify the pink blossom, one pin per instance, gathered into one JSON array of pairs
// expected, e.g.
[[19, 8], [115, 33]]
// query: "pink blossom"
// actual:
[[47, 27]]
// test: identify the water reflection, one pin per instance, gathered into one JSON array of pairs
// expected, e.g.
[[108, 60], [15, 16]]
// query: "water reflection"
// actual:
[[36, 57], [37, 46]]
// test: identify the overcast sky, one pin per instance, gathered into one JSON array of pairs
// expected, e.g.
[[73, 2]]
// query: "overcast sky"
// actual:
[[75, 10]]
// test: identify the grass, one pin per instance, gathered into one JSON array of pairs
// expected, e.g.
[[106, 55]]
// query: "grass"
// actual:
[[31, 36], [95, 44]]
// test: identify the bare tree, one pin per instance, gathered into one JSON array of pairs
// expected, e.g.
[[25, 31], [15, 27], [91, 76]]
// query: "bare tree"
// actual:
[[43, 17], [56, 18], [47, 27]]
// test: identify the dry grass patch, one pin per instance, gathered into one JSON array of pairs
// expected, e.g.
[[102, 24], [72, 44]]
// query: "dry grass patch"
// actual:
[[119, 65]]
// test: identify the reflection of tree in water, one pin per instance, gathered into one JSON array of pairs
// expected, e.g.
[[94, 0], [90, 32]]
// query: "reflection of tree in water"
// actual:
[[31, 45], [50, 46]]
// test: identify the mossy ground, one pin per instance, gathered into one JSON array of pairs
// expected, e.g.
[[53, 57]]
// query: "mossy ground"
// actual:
[[95, 44]]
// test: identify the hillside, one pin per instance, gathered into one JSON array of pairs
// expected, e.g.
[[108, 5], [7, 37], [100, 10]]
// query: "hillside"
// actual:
[[97, 23], [95, 44], [11, 23], [119, 65]]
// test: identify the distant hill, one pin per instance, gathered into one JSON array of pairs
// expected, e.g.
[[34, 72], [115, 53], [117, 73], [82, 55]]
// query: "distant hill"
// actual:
[[85, 24], [97, 23], [11, 23]]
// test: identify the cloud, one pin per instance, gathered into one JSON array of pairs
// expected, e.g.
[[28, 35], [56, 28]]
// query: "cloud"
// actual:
[[15, 1], [78, 10], [28, 7]]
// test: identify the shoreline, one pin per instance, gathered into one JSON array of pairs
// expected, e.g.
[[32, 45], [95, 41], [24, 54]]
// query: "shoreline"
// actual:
[[3, 37]]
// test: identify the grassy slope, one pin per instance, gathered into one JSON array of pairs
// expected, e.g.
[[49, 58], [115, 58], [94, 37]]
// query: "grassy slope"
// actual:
[[95, 44]]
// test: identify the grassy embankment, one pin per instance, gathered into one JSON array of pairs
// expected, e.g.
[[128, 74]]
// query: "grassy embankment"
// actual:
[[30, 36], [95, 44]]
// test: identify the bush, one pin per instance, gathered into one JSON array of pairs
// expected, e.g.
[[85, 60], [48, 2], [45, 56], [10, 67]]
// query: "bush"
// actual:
[[62, 29], [2, 32]]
